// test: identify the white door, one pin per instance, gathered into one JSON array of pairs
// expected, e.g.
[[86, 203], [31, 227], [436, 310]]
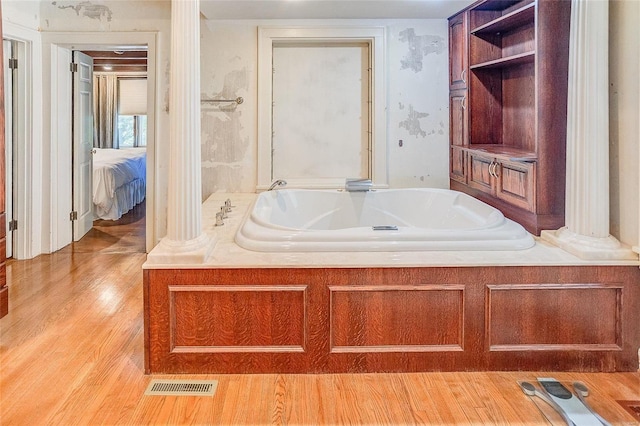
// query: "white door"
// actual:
[[82, 145], [8, 142], [320, 111]]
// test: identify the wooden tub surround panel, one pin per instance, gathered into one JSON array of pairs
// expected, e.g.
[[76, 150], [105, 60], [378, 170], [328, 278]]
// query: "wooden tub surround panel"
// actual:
[[338, 320]]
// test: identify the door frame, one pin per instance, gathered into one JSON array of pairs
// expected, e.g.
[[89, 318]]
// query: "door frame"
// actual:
[[28, 155], [55, 46], [375, 37]]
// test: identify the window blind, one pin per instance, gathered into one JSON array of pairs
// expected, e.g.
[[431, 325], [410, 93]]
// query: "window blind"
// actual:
[[132, 96]]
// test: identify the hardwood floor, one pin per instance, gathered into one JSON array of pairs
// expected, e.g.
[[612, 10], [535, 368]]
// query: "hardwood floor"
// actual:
[[126, 235], [71, 353]]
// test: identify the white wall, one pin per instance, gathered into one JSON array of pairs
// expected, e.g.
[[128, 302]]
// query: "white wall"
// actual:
[[25, 13], [624, 121]]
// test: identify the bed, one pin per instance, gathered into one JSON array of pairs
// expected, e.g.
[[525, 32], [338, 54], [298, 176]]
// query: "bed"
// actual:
[[119, 181]]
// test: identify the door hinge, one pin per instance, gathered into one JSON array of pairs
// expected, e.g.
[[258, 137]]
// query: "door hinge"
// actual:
[[73, 67], [13, 63], [13, 225], [73, 216]]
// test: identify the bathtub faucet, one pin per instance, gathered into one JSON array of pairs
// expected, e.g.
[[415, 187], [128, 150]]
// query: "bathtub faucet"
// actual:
[[276, 183], [354, 185]]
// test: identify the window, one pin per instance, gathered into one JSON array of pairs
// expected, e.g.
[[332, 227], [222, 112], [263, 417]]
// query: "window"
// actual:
[[132, 130], [132, 112]]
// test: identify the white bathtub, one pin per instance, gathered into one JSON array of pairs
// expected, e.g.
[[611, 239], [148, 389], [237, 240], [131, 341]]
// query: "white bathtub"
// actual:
[[332, 220]]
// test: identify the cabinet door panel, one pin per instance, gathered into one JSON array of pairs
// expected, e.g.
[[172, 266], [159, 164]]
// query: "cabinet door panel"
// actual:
[[458, 58], [458, 166], [479, 176], [516, 184], [458, 131]]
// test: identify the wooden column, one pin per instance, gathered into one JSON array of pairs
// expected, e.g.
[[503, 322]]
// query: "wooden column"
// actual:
[[586, 233]]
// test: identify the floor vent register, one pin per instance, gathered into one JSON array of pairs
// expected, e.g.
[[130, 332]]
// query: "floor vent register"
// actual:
[[182, 387]]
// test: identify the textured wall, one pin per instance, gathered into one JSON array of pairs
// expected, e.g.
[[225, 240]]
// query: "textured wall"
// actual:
[[418, 113], [417, 99], [23, 12], [624, 120], [228, 70]]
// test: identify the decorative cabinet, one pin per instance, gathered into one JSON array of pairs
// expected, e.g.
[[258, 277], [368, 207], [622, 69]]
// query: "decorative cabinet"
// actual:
[[458, 132], [510, 181], [508, 109]]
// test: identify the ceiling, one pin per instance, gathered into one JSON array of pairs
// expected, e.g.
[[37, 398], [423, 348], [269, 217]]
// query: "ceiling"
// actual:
[[119, 61], [132, 58], [331, 9]]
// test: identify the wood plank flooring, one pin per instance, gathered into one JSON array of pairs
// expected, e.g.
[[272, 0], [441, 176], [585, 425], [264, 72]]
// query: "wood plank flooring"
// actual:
[[71, 353]]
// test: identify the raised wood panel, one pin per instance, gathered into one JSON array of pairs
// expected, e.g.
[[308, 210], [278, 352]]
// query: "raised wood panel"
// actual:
[[479, 176], [458, 127], [237, 318], [367, 319], [4, 296], [396, 319], [3, 249], [458, 165], [3, 225], [547, 317], [516, 184], [458, 47]]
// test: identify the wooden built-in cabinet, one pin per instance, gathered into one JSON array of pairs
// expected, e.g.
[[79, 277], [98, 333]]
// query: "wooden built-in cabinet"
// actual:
[[510, 181], [508, 108]]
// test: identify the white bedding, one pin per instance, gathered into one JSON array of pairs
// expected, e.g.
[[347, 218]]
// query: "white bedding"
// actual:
[[119, 181]]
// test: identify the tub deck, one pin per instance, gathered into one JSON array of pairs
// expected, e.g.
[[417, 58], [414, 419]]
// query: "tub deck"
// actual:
[[249, 312]]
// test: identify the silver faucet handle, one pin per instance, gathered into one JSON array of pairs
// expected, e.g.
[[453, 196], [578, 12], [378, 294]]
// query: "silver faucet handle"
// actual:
[[358, 184], [219, 221], [227, 205]]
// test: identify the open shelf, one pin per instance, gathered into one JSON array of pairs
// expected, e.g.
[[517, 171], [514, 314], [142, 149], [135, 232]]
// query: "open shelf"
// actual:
[[504, 152], [508, 123], [496, 4], [523, 16], [509, 61]]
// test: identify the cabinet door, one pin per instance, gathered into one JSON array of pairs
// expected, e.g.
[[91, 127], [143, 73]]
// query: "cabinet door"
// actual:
[[515, 183], [479, 172], [458, 123], [458, 51], [458, 165]]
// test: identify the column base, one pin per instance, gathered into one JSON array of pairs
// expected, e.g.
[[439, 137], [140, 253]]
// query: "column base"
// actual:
[[192, 252], [589, 248]]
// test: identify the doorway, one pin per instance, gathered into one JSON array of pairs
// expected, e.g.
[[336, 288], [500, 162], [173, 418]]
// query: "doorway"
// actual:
[[61, 45], [118, 119]]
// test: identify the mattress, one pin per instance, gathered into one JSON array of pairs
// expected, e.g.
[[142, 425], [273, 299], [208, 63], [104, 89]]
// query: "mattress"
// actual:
[[119, 181]]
